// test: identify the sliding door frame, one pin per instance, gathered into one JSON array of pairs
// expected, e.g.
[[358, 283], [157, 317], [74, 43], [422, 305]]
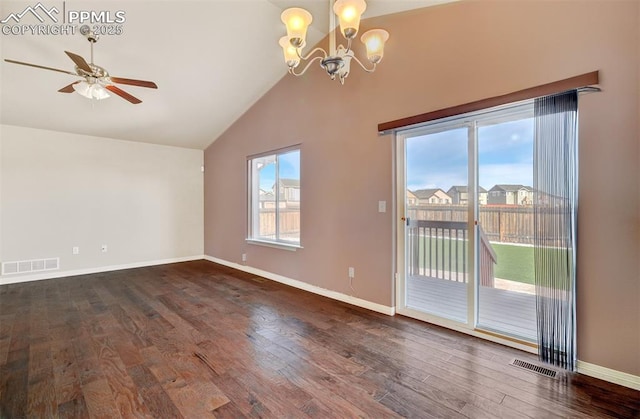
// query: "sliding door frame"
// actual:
[[470, 121]]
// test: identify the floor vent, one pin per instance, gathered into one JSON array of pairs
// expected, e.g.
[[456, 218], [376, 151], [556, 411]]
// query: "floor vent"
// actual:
[[27, 266], [546, 372]]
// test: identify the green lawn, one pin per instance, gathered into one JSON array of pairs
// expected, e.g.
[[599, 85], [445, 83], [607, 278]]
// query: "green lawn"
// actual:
[[515, 263]]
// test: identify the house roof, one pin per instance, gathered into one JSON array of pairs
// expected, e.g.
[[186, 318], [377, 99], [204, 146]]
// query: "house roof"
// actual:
[[511, 188], [290, 183], [426, 193], [267, 196], [463, 189]]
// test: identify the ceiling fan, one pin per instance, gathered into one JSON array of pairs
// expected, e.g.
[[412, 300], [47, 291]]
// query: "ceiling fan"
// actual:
[[96, 82]]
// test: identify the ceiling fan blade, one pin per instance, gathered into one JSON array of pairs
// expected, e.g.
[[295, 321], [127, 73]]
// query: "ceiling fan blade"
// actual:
[[80, 62], [40, 66], [69, 88], [122, 94], [132, 82]]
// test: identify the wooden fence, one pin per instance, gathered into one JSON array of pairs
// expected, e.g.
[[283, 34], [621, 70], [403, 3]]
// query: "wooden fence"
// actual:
[[289, 223], [506, 224], [500, 223]]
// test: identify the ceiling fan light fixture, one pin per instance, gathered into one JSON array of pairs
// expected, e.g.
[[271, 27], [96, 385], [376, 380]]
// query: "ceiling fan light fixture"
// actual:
[[91, 90]]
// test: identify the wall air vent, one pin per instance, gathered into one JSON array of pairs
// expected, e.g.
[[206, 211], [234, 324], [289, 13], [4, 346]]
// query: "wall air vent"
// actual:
[[28, 266], [545, 372]]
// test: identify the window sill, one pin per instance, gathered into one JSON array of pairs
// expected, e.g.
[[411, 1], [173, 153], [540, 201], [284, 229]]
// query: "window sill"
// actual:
[[275, 245]]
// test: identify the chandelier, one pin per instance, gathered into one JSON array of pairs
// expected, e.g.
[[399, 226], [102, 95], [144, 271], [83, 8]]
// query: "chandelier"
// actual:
[[337, 61]]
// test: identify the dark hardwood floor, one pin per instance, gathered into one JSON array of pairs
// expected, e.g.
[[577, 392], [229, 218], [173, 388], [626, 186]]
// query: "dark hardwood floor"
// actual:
[[198, 340]]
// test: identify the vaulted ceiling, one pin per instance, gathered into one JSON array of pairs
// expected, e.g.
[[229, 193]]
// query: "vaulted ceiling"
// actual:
[[210, 59]]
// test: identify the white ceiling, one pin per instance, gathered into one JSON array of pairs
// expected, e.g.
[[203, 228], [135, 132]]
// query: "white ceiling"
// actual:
[[211, 60]]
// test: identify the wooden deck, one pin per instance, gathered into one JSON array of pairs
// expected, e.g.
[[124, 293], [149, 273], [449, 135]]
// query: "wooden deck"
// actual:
[[508, 312]]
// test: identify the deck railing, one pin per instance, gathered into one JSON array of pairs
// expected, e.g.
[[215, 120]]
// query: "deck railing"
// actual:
[[487, 258], [438, 249]]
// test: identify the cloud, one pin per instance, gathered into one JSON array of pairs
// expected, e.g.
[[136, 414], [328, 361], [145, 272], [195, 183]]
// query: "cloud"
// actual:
[[440, 160], [506, 173]]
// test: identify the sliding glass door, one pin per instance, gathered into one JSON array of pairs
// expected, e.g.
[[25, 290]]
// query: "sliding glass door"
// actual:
[[436, 229], [506, 292], [465, 235]]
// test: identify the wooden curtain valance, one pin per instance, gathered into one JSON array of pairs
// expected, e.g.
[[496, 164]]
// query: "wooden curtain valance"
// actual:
[[577, 82]]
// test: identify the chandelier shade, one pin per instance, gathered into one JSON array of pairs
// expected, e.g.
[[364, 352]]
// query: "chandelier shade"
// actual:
[[374, 41], [349, 13], [297, 21], [291, 56]]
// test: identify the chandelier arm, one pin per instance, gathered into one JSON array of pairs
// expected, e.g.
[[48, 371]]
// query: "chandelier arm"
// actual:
[[349, 41], [306, 57], [368, 70], [304, 70]]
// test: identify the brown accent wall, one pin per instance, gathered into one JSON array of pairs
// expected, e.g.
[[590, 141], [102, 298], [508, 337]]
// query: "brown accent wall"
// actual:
[[439, 57]]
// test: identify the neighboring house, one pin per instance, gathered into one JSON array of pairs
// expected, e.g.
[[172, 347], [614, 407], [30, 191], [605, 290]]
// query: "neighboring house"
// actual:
[[290, 192], [549, 200], [412, 199], [432, 196], [459, 195], [510, 195], [268, 200], [289, 195]]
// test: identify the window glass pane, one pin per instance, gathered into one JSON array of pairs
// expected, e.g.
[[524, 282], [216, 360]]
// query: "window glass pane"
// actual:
[[275, 197], [506, 296], [265, 222], [289, 196], [437, 245]]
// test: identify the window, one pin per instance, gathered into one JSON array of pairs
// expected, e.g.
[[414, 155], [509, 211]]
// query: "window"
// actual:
[[274, 197]]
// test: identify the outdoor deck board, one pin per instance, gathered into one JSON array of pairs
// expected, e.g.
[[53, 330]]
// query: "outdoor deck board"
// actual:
[[509, 312]]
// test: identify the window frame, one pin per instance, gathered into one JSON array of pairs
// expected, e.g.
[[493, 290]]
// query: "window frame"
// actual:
[[253, 207]]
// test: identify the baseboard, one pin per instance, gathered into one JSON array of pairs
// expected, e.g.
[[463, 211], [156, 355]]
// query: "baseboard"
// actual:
[[607, 374], [307, 287], [6, 280]]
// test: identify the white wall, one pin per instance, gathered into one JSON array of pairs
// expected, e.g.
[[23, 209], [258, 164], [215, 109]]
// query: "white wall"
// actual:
[[62, 190]]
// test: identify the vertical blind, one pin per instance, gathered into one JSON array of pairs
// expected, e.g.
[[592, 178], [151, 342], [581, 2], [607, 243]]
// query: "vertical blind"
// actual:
[[555, 225]]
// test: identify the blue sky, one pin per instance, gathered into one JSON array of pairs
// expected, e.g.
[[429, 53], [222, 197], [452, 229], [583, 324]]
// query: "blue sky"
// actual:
[[505, 155], [289, 169]]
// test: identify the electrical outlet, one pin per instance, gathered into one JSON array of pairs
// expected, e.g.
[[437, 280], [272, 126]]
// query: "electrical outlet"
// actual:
[[244, 257], [75, 250], [104, 248], [382, 206], [352, 272]]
